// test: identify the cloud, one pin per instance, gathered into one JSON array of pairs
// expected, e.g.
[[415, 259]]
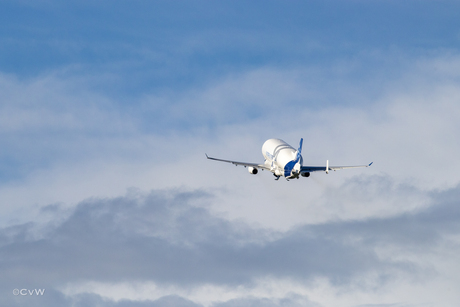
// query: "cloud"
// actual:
[[64, 141], [290, 300], [169, 239], [95, 300]]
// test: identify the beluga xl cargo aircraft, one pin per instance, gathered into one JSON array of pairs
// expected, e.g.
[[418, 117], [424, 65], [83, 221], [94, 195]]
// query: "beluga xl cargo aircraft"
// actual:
[[283, 160]]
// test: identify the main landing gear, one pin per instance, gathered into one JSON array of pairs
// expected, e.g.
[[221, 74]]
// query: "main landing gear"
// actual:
[[277, 177]]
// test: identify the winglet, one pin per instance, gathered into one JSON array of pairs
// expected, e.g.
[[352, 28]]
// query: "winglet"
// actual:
[[206, 155], [370, 163]]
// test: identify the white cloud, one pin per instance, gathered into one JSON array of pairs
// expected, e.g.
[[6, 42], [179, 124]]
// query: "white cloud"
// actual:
[[82, 146]]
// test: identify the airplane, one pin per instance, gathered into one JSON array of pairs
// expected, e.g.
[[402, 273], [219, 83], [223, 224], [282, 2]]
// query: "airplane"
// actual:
[[283, 160]]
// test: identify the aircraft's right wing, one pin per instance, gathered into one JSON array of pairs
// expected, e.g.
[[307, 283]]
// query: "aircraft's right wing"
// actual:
[[240, 163], [327, 168]]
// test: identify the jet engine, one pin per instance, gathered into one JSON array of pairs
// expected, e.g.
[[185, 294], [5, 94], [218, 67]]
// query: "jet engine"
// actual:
[[306, 174], [252, 170]]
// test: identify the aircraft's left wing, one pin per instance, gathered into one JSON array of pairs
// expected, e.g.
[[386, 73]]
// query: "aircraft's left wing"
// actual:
[[239, 163]]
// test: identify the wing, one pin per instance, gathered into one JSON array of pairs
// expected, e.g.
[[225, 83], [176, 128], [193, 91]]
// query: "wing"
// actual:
[[309, 169], [239, 163]]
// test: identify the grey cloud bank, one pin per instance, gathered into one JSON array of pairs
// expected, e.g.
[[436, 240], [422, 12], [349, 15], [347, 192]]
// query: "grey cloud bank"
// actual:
[[166, 238]]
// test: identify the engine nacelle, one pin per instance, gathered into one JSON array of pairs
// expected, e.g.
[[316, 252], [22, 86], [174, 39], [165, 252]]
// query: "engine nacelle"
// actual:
[[252, 170], [307, 174]]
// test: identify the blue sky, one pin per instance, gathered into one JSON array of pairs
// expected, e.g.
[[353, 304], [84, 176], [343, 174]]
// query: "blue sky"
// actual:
[[107, 109], [158, 45]]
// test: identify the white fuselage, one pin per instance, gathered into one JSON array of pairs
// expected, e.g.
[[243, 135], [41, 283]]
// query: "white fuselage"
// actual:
[[281, 158]]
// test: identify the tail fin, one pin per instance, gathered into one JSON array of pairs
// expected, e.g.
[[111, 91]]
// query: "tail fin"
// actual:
[[300, 146], [299, 151]]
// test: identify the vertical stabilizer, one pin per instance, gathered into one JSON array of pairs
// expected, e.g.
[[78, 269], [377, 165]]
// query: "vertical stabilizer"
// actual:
[[299, 151]]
